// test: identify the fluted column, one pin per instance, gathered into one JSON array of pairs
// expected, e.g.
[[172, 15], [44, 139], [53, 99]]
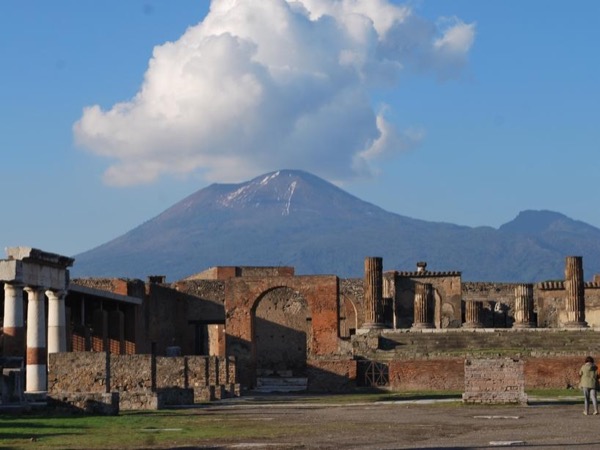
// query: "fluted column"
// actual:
[[36, 358], [575, 294], [373, 288], [57, 331], [473, 312], [524, 306], [14, 325], [422, 306]]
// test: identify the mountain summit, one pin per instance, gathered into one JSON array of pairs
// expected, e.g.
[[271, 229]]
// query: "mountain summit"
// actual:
[[294, 218]]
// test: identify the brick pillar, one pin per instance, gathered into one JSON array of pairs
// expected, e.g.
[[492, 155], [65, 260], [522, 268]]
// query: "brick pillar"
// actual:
[[473, 311], [36, 359], [373, 289], [14, 325], [575, 295], [423, 316], [57, 331], [524, 306]]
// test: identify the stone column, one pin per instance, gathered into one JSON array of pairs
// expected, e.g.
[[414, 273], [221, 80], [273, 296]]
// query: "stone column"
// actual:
[[575, 295], [14, 329], [423, 294], [373, 288], [524, 306], [473, 311], [36, 359], [57, 331]]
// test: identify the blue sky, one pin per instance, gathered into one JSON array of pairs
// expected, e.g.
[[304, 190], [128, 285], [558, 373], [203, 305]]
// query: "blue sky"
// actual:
[[501, 123]]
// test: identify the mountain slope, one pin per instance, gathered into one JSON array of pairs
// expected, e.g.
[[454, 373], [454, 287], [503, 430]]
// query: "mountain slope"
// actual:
[[295, 218]]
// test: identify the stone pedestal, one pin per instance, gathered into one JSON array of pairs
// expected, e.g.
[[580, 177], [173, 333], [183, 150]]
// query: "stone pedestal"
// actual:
[[422, 306], [524, 306], [473, 313], [373, 292], [575, 294]]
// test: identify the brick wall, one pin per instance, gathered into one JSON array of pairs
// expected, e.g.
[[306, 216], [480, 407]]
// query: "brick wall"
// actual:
[[494, 380]]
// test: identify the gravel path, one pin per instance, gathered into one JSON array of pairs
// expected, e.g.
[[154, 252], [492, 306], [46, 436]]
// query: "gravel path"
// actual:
[[424, 425]]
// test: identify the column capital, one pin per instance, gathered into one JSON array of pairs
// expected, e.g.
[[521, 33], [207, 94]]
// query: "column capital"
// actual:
[[55, 294], [33, 289]]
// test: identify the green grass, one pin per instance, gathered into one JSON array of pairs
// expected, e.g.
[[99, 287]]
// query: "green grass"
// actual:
[[129, 430]]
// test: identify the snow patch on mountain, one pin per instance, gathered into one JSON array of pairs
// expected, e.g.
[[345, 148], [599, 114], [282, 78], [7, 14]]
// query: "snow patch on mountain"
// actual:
[[289, 193]]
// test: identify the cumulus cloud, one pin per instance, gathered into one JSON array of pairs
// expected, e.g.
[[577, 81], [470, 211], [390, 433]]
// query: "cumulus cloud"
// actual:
[[259, 86]]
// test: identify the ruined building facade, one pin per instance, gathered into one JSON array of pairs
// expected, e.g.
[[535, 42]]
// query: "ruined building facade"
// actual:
[[399, 329]]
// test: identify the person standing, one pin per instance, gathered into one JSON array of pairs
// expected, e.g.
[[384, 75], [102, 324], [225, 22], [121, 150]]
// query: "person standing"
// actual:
[[587, 382]]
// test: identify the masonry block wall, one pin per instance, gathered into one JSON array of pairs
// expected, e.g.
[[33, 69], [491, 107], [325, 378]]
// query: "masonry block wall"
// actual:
[[133, 373], [243, 299], [549, 300], [494, 380], [352, 312]]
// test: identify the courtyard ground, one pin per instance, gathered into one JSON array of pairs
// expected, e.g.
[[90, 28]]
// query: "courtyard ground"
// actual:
[[297, 422]]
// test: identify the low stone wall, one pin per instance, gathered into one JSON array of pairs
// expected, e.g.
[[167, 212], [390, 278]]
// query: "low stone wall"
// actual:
[[140, 400], [132, 401], [178, 380], [437, 374], [553, 372], [85, 402], [494, 381], [544, 372]]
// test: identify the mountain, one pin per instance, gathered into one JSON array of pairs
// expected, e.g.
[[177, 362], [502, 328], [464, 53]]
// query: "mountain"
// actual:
[[294, 218]]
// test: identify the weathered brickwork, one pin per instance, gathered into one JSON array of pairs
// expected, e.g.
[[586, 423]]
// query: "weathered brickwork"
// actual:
[[494, 380], [436, 374], [243, 297]]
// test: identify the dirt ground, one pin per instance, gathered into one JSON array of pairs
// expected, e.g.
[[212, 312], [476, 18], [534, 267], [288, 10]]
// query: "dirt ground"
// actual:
[[424, 425]]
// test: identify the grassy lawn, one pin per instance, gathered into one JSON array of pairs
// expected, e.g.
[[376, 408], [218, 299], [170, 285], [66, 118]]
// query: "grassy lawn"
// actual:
[[130, 430]]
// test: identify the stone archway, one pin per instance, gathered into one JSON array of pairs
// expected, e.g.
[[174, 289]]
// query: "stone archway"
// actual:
[[281, 333]]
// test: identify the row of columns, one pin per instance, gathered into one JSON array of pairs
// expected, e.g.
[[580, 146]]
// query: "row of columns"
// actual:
[[524, 306], [32, 340]]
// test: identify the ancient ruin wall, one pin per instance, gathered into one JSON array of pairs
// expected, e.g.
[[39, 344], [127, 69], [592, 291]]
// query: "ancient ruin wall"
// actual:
[[549, 300], [498, 301], [446, 292], [494, 380], [351, 306], [86, 372]]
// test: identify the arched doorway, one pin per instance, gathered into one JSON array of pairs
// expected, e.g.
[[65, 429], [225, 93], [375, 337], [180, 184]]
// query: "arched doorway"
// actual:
[[281, 333]]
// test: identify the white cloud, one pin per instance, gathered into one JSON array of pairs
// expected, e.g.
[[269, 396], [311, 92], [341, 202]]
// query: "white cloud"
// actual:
[[259, 86]]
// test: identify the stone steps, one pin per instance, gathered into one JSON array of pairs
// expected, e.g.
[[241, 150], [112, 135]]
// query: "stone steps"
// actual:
[[281, 384], [399, 345]]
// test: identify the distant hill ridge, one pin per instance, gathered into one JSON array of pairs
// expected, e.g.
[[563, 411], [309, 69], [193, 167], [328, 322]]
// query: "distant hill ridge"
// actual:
[[294, 218]]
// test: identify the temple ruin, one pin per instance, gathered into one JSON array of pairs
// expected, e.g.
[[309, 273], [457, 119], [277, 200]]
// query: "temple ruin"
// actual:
[[253, 328]]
